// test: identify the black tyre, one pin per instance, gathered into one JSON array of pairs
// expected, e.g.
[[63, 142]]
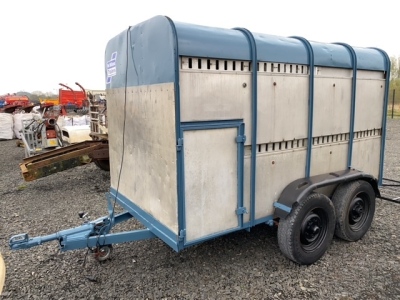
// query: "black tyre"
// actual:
[[306, 233], [103, 164], [355, 208]]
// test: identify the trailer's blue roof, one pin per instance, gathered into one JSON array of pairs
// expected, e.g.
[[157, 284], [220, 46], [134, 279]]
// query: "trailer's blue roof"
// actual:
[[203, 41], [149, 48]]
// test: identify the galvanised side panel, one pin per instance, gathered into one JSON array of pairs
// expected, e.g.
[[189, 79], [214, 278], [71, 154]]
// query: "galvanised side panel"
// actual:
[[362, 74], [366, 155], [282, 107], [369, 104], [332, 105], [274, 172], [143, 150], [329, 158], [213, 95], [211, 181], [332, 72]]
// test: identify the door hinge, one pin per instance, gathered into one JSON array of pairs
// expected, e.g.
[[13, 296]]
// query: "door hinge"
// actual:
[[241, 211], [182, 234], [240, 139], [179, 144]]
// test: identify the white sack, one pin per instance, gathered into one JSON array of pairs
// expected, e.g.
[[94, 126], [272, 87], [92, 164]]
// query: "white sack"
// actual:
[[6, 126], [18, 122]]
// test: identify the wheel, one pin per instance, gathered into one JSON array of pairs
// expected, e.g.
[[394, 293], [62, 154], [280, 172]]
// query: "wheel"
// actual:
[[306, 233], [103, 164], [355, 208], [102, 253]]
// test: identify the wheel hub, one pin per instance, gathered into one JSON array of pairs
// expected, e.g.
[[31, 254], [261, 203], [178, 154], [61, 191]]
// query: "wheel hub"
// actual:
[[357, 211], [311, 229]]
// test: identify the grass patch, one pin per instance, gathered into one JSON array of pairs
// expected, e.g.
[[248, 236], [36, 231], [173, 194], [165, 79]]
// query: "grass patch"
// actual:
[[21, 187]]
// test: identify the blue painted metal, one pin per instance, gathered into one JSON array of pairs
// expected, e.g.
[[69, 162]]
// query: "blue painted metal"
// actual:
[[89, 234], [283, 207], [310, 62], [158, 41], [219, 124], [160, 230], [253, 58], [241, 210], [370, 59], [151, 54], [384, 116], [210, 237], [353, 101], [240, 159], [73, 243], [204, 41], [179, 136]]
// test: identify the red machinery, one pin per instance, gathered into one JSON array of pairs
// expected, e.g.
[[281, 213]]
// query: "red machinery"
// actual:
[[69, 97], [9, 103]]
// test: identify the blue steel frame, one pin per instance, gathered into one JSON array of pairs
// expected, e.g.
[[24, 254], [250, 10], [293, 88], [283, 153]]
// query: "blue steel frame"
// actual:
[[157, 228], [211, 125], [310, 54], [353, 101], [384, 116], [179, 139], [253, 52]]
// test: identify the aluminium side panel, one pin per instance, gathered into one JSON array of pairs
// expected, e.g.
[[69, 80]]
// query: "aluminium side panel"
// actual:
[[368, 121], [213, 89], [211, 182], [210, 95], [332, 101], [275, 170], [140, 77], [143, 151], [367, 151], [369, 100], [282, 106], [331, 121]]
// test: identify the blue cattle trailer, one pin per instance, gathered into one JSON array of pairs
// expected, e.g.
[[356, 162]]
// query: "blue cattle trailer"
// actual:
[[216, 130]]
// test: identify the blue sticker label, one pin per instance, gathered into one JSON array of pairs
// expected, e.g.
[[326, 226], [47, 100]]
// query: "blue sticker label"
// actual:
[[111, 67]]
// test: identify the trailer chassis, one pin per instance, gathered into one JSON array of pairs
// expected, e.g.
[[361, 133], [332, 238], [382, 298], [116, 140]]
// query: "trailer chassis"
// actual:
[[95, 235]]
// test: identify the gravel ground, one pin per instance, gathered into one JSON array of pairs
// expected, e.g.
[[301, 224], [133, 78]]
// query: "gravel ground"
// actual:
[[242, 265]]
